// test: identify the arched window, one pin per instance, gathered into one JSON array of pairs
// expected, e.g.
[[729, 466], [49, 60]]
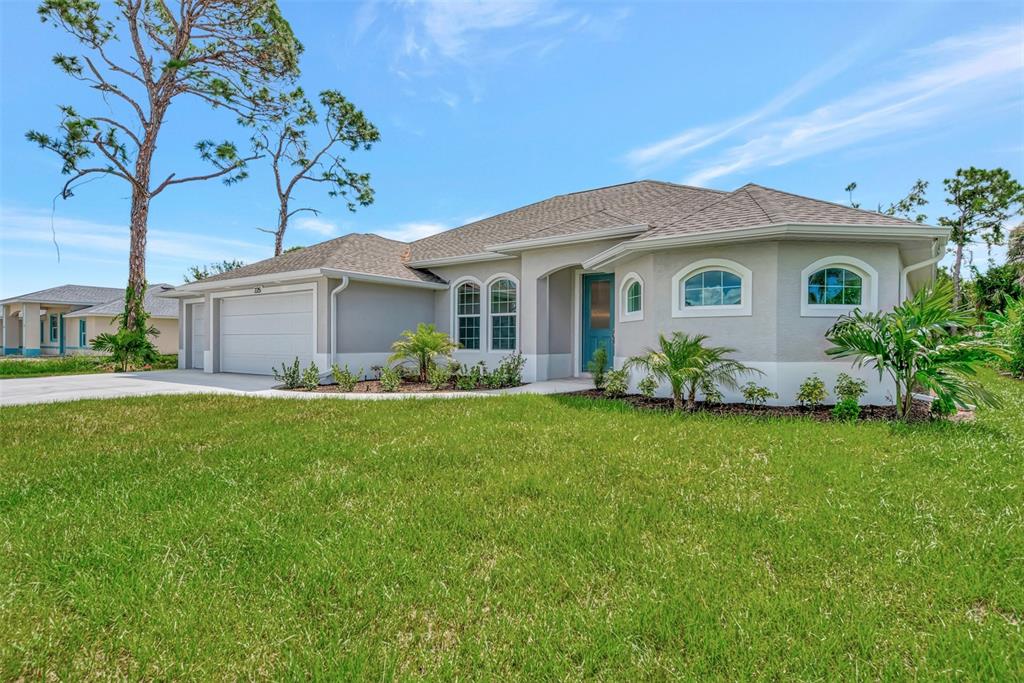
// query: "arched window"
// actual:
[[467, 315], [835, 287], [712, 287], [631, 296], [504, 314]]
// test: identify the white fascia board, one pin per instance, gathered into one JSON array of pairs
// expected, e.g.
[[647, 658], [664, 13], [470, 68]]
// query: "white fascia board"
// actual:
[[234, 283], [574, 238], [381, 279], [456, 260], [769, 231]]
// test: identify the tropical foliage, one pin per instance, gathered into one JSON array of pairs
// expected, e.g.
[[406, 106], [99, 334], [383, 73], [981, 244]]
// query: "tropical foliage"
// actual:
[[130, 345], [1007, 328], [422, 347], [917, 344], [687, 364]]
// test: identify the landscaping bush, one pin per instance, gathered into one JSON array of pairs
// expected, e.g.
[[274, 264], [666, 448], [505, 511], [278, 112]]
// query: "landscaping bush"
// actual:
[[290, 376], [849, 388], [812, 392], [1007, 329], [509, 372], [596, 366], [757, 395], [345, 380], [390, 379], [465, 382], [130, 345], [648, 386], [439, 376], [710, 391], [422, 346], [311, 377], [943, 407], [616, 383], [847, 409]]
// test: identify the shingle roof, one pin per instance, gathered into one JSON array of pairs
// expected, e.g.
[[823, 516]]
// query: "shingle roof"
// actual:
[[361, 253], [640, 202], [70, 294], [753, 205], [154, 304], [665, 209]]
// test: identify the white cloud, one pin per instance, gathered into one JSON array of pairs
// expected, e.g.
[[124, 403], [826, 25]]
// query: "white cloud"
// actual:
[[949, 78], [415, 230], [453, 28], [316, 225]]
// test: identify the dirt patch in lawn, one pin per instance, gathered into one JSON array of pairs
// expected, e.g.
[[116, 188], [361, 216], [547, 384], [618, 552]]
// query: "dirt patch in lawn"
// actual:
[[921, 409]]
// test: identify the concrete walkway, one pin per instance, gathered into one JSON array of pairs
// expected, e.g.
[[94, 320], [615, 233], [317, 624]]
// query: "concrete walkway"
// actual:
[[113, 385]]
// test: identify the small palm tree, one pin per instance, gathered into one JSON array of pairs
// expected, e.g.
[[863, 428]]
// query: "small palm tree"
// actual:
[[687, 364], [916, 343], [422, 346]]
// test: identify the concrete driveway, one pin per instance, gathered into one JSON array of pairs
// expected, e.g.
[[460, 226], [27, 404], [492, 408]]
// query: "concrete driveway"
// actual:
[[115, 385]]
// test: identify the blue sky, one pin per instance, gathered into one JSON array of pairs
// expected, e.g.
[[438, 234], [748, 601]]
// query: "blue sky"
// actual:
[[484, 107]]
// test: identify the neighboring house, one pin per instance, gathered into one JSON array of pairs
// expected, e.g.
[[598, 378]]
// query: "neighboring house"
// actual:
[[70, 316], [759, 270]]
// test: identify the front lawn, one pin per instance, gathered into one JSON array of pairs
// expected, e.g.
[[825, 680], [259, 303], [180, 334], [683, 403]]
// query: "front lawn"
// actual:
[[13, 366], [218, 537]]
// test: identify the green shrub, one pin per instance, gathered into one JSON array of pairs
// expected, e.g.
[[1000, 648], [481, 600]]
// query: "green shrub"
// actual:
[[757, 395], [509, 372], [465, 382], [943, 407], [1007, 329], [311, 377], [812, 392], [647, 386], [847, 409], [711, 392], [616, 383], [597, 366], [390, 379], [422, 346], [131, 344], [849, 388], [290, 376], [345, 380], [439, 376]]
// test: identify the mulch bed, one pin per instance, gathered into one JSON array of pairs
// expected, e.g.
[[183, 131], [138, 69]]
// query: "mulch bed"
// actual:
[[920, 412]]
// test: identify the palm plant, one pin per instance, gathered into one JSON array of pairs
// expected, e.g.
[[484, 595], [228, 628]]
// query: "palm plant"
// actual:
[[687, 364], [131, 344], [422, 347], [1007, 328], [917, 344]]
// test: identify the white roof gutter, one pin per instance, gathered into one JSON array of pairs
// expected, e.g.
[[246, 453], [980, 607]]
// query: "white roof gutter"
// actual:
[[202, 286]]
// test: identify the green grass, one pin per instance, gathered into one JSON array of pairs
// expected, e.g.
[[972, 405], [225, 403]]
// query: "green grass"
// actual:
[[69, 365], [527, 537]]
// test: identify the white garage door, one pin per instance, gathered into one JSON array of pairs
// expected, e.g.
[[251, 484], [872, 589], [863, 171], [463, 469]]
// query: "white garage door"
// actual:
[[199, 324], [258, 333]]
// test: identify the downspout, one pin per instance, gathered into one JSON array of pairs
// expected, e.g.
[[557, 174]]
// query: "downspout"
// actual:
[[904, 282], [334, 314]]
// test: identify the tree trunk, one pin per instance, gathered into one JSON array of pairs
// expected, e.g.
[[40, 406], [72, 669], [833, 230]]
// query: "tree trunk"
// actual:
[[956, 274], [137, 248], [677, 401], [282, 225]]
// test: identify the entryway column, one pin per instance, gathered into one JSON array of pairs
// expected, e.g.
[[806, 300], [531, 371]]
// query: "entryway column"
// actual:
[[30, 329], [12, 330]]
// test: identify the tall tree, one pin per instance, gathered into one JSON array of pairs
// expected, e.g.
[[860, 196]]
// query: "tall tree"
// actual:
[[1015, 246], [913, 200], [983, 200], [298, 153], [144, 57], [197, 273]]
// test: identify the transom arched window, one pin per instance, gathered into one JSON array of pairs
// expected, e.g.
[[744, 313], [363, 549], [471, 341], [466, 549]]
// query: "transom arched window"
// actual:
[[631, 298], [835, 286], [504, 314], [634, 296], [713, 288], [467, 315]]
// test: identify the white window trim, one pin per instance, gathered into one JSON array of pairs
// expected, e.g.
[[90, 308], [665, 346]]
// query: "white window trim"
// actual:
[[487, 293], [454, 327], [624, 315], [743, 308], [869, 292]]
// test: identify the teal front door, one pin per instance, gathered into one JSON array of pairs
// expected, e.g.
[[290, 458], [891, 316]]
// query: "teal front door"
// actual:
[[598, 316]]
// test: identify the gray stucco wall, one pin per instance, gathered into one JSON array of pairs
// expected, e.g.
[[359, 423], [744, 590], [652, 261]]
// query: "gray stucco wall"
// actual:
[[372, 316]]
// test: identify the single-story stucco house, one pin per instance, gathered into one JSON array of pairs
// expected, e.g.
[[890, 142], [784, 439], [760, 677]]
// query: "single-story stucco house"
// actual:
[[762, 271], [71, 315]]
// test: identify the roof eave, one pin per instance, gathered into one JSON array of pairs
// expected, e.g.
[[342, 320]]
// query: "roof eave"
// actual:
[[456, 260], [194, 288], [768, 231]]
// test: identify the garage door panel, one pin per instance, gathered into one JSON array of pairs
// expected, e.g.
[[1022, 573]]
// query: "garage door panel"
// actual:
[[284, 323], [259, 333]]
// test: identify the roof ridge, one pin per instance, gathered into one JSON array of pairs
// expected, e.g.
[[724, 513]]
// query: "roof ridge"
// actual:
[[576, 218], [700, 210], [841, 206], [767, 214]]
